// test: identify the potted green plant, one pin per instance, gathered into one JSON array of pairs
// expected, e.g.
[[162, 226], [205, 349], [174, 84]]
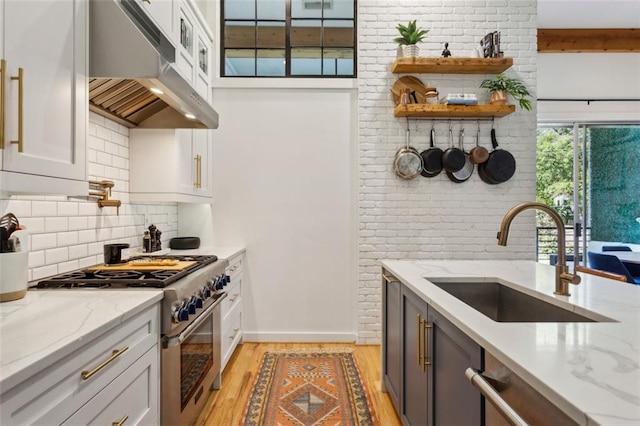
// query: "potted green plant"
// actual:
[[410, 36], [502, 85]]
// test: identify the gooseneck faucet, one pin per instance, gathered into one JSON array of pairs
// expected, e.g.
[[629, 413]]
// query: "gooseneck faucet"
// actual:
[[563, 277]]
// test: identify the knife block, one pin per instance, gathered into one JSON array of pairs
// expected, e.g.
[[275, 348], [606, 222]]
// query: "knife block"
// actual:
[[14, 275]]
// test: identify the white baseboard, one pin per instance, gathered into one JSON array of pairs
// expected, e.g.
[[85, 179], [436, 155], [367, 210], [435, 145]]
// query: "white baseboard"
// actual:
[[249, 336]]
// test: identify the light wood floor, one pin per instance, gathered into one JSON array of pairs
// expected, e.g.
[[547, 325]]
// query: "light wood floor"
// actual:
[[225, 407]]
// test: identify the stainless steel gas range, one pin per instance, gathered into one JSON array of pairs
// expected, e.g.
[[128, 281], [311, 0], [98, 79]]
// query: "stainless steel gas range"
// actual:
[[193, 288]]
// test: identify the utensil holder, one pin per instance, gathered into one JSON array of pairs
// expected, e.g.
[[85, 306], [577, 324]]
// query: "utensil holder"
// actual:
[[14, 275]]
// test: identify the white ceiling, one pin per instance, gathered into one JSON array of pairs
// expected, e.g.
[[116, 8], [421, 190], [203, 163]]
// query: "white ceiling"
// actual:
[[588, 13]]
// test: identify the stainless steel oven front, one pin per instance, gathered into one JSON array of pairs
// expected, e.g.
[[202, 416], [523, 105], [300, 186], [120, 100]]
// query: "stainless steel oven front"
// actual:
[[190, 364]]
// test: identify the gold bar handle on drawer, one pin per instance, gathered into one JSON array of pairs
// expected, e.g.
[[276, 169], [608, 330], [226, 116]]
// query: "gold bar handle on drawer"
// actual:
[[3, 89], [20, 78], [116, 353], [121, 421], [195, 184], [199, 171]]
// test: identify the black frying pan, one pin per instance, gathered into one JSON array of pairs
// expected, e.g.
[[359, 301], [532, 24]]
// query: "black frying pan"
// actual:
[[453, 158], [431, 158], [500, 166], [466, 171]]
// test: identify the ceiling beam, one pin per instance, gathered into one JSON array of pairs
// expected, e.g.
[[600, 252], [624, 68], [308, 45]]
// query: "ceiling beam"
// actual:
[[588, 40]]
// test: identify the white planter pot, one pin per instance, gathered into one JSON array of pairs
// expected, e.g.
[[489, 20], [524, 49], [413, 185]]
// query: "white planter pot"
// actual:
[[410, 50]]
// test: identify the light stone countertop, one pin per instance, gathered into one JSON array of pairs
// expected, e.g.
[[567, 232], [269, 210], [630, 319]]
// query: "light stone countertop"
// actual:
[[591, 371], [47, 325], [221, 252]]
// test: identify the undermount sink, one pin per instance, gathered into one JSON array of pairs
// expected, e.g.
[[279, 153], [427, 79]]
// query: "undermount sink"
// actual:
[[504, 304]]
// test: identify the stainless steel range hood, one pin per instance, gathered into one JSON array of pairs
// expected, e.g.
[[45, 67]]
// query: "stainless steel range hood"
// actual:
[[128, 58]]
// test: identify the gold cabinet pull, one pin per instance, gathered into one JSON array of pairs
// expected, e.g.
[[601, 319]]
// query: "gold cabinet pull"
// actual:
[[427, 361], [3, 89], [419, 346], [389, 279], [20, 78], [121, 421], [199, 171], [115, 354]]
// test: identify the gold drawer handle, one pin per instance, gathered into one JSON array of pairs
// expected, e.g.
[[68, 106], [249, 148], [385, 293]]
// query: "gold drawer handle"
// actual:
[[20, 78], [116, 353], [120, 422]]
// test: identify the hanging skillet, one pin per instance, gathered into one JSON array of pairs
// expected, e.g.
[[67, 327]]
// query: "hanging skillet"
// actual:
[[479, 154], [466, 171], [407, 163], [453, 158], [431, 158], [500, 166]]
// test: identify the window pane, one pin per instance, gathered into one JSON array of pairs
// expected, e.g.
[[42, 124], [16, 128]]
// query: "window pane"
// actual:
[[306, 61], [271, 35], [338, 34], [306, 9], [271, 62], [341, 60], [306, 33], [239, 62], [239, 9], [339, 9], [272, 9], [240, 34]]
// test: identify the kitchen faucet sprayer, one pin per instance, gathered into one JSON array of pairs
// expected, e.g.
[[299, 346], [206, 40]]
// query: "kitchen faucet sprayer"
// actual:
[[563, 277]]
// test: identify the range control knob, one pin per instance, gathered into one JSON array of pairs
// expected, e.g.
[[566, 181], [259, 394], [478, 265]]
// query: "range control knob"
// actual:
[[227, 279], [191, 307], [183, 315], [220, 281], [205, 292], [198, 302]]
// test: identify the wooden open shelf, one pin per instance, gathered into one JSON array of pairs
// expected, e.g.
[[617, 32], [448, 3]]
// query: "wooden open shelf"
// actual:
[[451, 65], [453, 111]]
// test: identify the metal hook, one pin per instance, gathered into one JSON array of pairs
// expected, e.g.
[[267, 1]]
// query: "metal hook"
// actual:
[[493, 121], [433, 123]]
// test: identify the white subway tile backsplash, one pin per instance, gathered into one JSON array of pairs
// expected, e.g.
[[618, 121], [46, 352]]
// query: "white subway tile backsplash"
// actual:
[[104, 133], [67, 238], [56, 224], [36, 258], [89, 261], [87, 236], [43, 272], [44, 208], [78, 223], [43, 241], [68, 266], [57, 255], [68, 208], [79, 251]]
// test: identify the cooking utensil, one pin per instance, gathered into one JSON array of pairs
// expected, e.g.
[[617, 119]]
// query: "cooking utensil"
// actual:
[[466, 171], [10, 222], [478, 154], [499, 167], [431, 158], [407, 163], [453, 158], [415, 86]]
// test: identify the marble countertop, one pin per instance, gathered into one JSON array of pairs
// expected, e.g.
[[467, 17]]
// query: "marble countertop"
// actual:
[[591, 371], [221, 252], [47, 325]]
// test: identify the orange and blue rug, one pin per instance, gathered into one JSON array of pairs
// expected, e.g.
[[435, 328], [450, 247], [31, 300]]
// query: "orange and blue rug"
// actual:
[[305, 388]]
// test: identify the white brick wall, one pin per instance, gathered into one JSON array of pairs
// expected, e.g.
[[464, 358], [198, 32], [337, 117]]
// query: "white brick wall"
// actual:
[[436, 218], [69, 234]]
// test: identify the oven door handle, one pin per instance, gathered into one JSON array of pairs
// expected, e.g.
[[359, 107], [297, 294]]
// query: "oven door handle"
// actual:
[[176, 340]]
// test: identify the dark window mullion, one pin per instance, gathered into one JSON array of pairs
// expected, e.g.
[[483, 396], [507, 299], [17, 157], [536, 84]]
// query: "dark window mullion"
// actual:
[[255, 39], [287, 42]]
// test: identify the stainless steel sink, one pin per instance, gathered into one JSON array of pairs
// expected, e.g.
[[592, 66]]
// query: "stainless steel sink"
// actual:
[[504, 304]]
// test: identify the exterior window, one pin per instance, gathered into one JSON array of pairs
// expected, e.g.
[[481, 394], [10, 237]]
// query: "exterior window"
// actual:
[[288, 38]]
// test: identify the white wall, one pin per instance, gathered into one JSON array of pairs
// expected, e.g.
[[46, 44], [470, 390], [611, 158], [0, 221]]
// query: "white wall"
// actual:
[[284, 174], [436, 218]]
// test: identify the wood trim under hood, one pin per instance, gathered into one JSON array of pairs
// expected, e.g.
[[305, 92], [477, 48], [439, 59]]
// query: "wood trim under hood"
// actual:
[[123, 100]]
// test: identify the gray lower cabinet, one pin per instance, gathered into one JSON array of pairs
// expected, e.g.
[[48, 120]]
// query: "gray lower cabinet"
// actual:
[[391, 361], [431, 389]]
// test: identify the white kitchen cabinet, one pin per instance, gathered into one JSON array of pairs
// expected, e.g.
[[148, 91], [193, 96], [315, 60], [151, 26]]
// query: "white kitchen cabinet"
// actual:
[[44, 91], [115, 374], [161, 11], [194, 47], [232, 309], [170, 165]]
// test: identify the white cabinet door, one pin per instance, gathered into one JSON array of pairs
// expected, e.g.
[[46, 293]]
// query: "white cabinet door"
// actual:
[[170, 165], [194, 47], [202, 150], [161, 11], [45, 46]]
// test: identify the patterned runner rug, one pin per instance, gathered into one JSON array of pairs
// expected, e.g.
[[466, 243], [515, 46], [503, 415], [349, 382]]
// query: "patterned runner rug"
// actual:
[[309, 388]]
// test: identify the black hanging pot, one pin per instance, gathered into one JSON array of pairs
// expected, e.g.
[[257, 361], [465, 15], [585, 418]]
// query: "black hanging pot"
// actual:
[[499, 167], [431, 158], [453, 158], [466, 171]]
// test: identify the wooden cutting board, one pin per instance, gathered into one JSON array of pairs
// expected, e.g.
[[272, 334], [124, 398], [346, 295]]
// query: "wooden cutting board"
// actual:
[[142, 267], [414, 85]]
